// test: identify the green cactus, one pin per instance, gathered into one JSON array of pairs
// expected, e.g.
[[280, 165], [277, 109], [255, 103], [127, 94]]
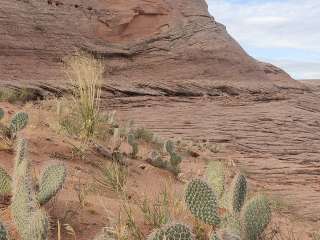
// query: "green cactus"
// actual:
[[176, 231], [1, 113], [23, 205], [255, 217], [202, 202], [238, 192], [169, 146], [133, 143], [18, 122], [38, 226], [216, 177], [3, 232], [5, 183], [156, 161], [51, 181]]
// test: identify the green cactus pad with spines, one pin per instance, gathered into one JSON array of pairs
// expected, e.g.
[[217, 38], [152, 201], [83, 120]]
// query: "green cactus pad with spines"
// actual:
[[5, 182], [18, 122], [3, 232], [170, 146], [22, 164], [1, 113], [202, 202], [216, 177], [38, 226], [255, 217], [175, 159], [238, 192], [133, 143], [51, 182], [22, 206], [176, 231]]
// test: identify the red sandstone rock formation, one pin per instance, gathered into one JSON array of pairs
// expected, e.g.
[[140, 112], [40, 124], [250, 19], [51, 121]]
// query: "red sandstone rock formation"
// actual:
[[157, 47]]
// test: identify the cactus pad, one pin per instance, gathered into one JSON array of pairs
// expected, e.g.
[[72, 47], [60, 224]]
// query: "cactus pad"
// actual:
[[238, 192], [18, 122], [170, 146], [5, 183], [216, 177], [255, 217], [39, 226], [172, 232], [201, 201], [1, 113], [51, 182]]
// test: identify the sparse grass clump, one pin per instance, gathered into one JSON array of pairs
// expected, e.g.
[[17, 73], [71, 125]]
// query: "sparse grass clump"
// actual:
[[114, 177], [85, 74]]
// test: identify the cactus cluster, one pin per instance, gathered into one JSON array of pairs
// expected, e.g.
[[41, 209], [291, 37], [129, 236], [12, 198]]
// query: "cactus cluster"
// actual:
[[18, 122], [176, 231], [30, 219], [244, 220]]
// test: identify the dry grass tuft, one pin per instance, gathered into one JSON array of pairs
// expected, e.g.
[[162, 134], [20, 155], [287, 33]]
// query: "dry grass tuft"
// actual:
[[85, 74]]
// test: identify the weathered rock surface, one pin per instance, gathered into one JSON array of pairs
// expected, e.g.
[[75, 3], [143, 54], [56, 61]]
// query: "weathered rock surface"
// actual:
[[151, 47]]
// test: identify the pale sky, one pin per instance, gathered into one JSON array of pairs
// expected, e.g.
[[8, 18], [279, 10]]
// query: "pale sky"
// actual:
[[283, 32]]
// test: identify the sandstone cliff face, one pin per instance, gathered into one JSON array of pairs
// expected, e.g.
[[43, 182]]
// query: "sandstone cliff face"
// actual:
[[152, 47]]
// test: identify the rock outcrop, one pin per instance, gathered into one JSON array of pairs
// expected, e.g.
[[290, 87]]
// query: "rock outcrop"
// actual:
[[151, 47]]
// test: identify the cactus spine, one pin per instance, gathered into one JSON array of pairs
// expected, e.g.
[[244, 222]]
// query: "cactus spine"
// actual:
[[255, 217], [238, 192], [201, 201], [176, 231]]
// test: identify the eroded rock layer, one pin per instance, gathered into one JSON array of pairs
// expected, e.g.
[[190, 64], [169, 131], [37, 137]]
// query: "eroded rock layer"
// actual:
[[151, 47]]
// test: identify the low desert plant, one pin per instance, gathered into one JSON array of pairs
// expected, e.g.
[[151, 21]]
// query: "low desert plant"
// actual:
[[85, 73], [114, 177], [156, 213]]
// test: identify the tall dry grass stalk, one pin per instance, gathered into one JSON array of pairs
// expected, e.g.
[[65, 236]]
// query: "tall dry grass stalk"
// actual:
[[86, 73]]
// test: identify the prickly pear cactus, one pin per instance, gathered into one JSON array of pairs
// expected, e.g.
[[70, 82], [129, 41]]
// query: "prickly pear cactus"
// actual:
[[255, 217], [135, 147], [51, 181], [238, 192], [201, 201], [216, 177], [172, 232], [18, 122], [3, 232], [38, 226], [5, 183], [170, 146], [23, 205], [1, 113]]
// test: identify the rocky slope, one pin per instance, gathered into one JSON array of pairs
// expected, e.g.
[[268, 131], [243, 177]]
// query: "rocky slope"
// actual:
[[151, 47]]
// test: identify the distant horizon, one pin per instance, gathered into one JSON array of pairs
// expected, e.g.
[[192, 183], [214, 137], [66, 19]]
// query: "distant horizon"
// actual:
[[281, 32]]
